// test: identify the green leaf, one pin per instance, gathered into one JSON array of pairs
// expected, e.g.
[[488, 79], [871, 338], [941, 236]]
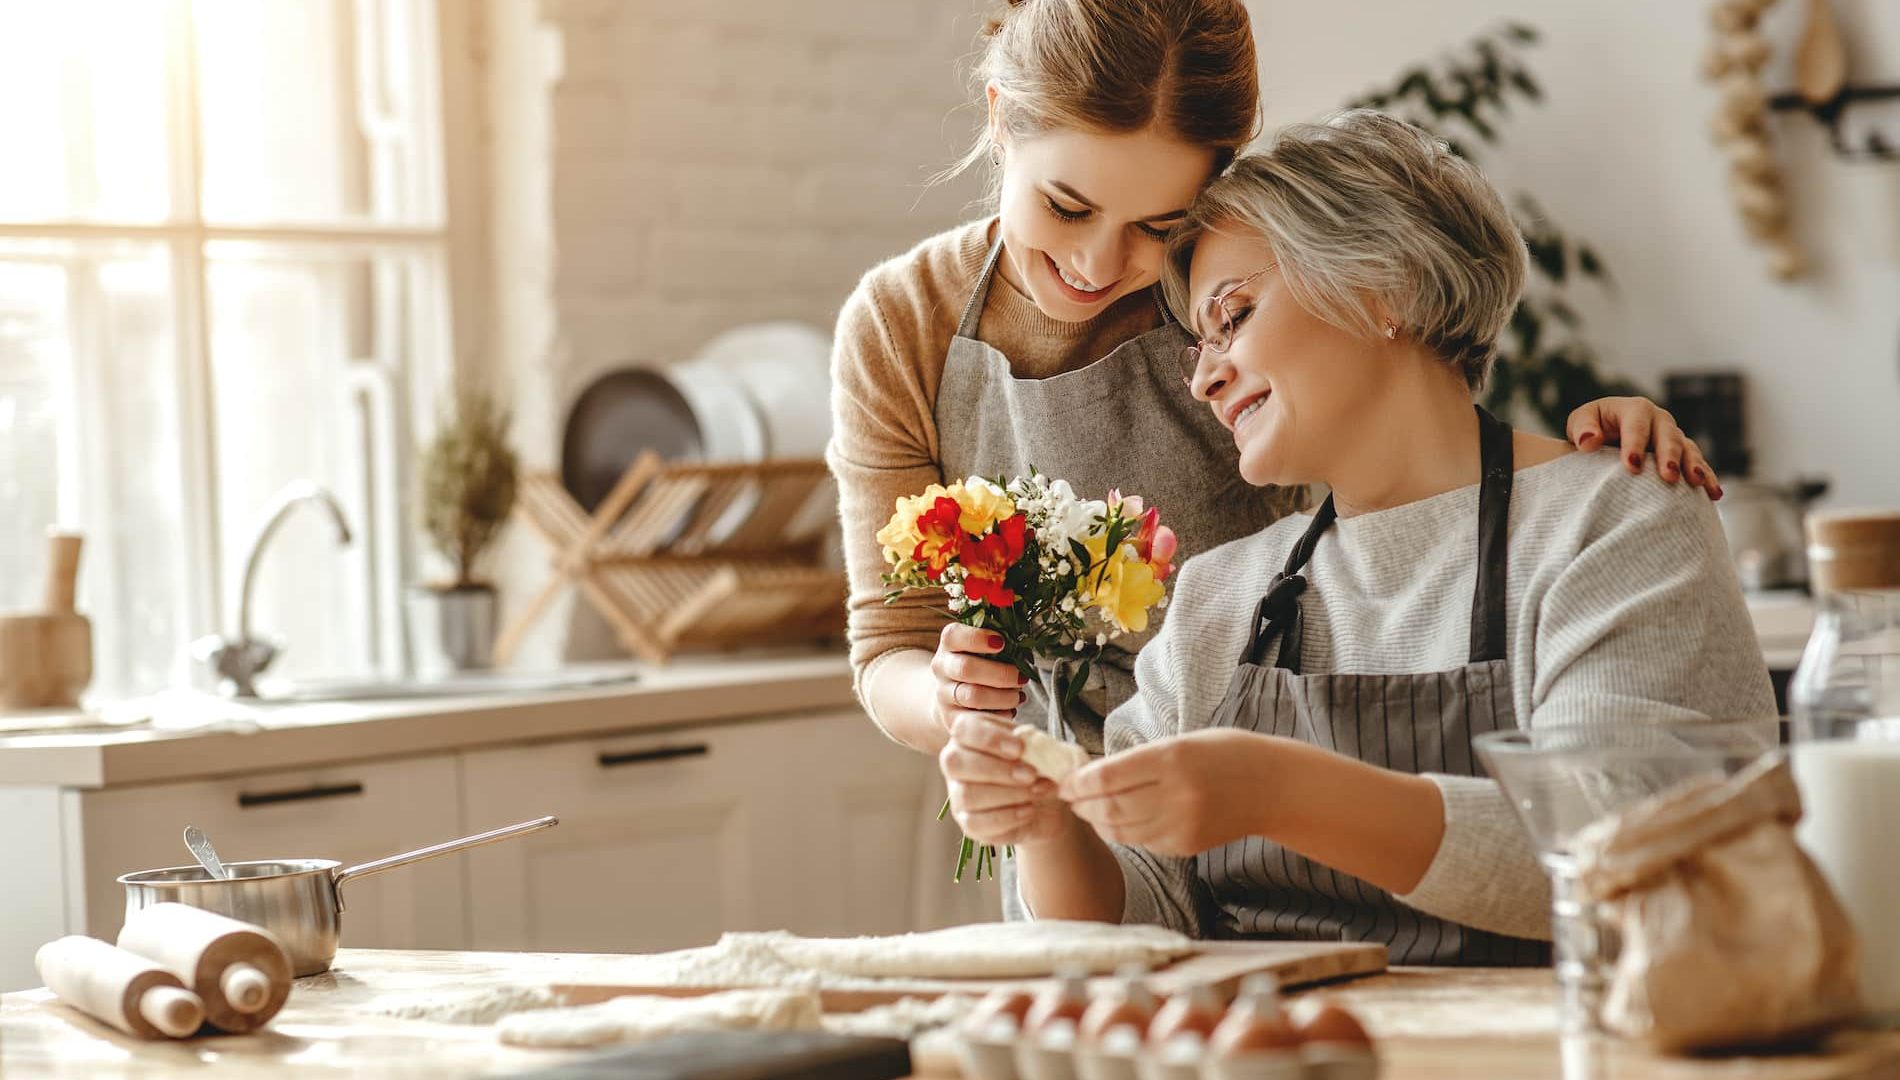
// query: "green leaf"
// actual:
[[1079, 555]]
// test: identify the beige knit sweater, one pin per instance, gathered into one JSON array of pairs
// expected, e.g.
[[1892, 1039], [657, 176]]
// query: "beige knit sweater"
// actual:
[[886, 364]]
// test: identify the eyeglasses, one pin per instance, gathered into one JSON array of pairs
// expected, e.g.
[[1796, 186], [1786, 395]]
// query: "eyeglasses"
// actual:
[[1214, 315]]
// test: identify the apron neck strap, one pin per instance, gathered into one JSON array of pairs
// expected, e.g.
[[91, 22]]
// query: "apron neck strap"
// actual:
[[1494, 537], [973, 309]]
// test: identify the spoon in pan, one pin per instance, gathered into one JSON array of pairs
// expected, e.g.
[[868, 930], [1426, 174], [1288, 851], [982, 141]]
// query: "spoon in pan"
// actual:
[[207, 856]]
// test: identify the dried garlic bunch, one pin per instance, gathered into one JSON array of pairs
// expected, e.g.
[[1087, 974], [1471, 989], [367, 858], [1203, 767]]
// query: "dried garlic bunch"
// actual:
[[1734, 62]]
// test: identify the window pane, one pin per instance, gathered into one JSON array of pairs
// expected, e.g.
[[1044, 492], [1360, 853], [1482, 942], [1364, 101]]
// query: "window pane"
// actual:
[[89, 439], [310, 114], [305, 347], [83, 96]]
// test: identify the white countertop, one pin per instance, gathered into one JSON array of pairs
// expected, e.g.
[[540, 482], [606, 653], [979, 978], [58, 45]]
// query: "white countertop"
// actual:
[[693, 690]]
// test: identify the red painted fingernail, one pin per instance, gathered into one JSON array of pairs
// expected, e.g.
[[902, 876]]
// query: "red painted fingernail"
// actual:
[[1021, 679], [1022, 696], [1698, 474], [1671, 470], [1635, 460], [996, 641]]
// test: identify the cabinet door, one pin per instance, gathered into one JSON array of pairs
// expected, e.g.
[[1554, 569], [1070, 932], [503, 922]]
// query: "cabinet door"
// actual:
[[351, 813], [653, 852], [667, 840]]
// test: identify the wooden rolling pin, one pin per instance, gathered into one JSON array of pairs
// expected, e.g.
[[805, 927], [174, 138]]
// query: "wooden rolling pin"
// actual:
[[46, 655], [119, 988], [240, 970]]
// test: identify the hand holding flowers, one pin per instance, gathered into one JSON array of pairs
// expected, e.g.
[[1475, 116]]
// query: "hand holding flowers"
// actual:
[[1051, 575]]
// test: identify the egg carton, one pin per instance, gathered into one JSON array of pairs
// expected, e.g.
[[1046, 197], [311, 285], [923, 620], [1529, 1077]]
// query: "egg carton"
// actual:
[[1022, 1057]]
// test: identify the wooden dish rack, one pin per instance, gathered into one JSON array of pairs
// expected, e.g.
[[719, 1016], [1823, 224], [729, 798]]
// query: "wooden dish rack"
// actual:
[[673, 558]]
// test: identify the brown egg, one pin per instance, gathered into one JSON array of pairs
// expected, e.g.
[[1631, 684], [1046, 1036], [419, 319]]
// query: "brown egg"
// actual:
[[1129, 1005], [1063, 1001], [1325, 1022], [1195, 1013], [1255, 1023]]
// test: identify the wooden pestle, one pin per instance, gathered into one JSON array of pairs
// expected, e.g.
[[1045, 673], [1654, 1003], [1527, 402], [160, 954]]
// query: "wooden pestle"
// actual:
[[240, 970], [120, 988], [46, 656]]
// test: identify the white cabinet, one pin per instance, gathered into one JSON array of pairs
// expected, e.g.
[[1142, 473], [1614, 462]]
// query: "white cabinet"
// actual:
[[351, 813], [667, 839]]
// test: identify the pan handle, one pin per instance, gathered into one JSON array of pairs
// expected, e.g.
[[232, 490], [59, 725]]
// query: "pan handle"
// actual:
[[419, 855]]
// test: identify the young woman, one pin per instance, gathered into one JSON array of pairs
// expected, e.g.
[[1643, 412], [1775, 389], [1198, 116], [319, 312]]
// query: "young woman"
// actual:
[[1348, 286], [1037, 337]]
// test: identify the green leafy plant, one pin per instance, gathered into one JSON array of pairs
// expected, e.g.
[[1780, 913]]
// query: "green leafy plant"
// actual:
[[1544, 361], [468, 483]]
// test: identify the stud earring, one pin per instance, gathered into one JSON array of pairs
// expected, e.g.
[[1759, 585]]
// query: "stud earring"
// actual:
[[1391, 331], [996, 155]]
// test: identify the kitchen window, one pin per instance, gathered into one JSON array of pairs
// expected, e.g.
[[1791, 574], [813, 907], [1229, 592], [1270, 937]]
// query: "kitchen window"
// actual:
[[223, 266]]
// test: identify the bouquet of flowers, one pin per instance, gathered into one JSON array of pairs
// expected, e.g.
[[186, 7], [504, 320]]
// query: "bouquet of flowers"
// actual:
[[1057, 576]]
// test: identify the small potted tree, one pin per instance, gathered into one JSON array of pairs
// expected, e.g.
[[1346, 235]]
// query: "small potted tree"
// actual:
[[468, 490]]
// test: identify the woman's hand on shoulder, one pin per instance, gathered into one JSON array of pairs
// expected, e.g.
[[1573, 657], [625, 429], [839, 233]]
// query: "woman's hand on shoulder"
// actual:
[[1639, 425], [1177, 796]]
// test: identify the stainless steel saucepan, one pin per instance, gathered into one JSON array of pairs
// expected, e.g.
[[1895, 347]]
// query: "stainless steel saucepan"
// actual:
[[299, 900]]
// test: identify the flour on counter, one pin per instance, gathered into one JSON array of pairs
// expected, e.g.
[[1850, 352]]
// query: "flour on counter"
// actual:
[[638, 1019], [1016, 950], [464, 1006]]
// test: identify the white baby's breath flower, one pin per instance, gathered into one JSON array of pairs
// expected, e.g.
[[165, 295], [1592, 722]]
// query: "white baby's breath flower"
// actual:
[[1101, 639], [953, 589], [1068, 603], [1064, 567], [958, 605], [1079, 645]]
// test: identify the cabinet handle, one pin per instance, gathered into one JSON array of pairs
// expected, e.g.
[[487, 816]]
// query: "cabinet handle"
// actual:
[[248, 799], [658, 753]]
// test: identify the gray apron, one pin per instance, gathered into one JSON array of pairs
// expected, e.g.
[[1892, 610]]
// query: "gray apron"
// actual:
[[1412, 723], [1125, 421]]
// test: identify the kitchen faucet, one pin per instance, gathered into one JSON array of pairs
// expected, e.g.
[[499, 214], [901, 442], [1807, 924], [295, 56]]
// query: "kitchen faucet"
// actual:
[[239, 660]]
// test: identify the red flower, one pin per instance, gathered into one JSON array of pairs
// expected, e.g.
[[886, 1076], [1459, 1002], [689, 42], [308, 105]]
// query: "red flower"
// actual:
[[1155, 543], [989, 559], [942, 537]]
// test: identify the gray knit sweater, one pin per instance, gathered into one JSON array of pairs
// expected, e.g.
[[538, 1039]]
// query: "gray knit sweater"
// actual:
[[1621, 607]]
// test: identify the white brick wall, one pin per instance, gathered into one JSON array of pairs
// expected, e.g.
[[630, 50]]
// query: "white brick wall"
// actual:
[[719, 162]]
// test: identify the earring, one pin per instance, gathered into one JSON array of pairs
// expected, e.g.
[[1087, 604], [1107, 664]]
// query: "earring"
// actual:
[[1391, 331], [996, 155]]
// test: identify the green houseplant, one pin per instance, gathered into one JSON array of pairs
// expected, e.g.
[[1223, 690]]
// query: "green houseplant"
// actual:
[[467, 492], [1545, 362]]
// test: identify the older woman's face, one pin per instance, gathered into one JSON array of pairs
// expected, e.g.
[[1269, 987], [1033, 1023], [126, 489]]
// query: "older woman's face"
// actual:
[[1290, 387]]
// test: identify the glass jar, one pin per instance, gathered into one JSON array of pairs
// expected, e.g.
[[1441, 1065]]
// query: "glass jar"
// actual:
[[1845, 704]]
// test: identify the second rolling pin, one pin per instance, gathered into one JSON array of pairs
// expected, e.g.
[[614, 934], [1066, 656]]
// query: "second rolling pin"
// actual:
[[241, 971], [120, 988]]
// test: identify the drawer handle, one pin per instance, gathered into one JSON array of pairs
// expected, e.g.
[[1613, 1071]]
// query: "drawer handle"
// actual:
[[248, 799], [658, 753]]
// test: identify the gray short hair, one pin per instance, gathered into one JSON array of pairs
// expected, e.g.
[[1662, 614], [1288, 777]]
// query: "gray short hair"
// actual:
[[1366, 213]]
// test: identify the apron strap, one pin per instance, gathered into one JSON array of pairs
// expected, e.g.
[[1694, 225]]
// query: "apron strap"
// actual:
[[973, 309], [1279, 610], [1494, 537]]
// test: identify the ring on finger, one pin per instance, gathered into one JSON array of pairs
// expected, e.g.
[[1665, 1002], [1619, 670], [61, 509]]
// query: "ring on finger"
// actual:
[[956, 695]]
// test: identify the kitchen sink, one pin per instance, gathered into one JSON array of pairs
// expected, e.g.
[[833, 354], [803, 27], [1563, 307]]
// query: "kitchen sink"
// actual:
[[463, 684]]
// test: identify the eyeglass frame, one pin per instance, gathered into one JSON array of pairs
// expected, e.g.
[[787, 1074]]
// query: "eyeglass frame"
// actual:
[[1221, 340]]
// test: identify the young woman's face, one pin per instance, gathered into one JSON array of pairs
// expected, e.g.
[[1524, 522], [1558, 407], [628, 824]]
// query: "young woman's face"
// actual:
[[1290, 387], [1083, 215]]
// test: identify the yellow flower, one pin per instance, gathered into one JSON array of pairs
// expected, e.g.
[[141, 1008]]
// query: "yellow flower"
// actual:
[[1126, 589], [983, 505], [899, 535]]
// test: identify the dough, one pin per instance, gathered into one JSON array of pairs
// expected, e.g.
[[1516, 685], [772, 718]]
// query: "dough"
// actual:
[[1012, 950], [905, 1018], [638, 1019], [464, 1006], [1049, 755]]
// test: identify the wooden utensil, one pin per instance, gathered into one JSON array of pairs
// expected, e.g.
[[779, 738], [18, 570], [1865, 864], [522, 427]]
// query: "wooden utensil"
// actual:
[[119, 988], [240, 971], [1219, 964], [46, 655], [1820, 62]]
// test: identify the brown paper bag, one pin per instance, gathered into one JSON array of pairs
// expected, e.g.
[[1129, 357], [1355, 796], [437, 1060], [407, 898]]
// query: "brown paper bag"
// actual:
[[1730, 935]]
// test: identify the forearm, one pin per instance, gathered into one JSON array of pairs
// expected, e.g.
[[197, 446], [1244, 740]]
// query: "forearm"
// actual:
[[1072, 876], [1380, 826], [899, 691]]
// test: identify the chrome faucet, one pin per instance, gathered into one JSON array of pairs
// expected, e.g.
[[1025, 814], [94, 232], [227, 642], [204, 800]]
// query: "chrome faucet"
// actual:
[[239, 660]]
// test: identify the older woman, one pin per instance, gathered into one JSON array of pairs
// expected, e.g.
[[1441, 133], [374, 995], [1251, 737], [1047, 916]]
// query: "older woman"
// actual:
[[1297, 761]]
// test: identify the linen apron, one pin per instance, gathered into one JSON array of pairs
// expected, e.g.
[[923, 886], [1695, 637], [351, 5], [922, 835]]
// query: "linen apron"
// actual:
[[1126, 422], [1410, 722]]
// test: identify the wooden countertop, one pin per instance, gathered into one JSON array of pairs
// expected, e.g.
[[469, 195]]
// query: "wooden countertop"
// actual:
[[695, 690], [1432, 1024]]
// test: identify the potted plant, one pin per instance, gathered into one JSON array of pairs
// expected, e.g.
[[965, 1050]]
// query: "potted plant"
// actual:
[[468, 490]]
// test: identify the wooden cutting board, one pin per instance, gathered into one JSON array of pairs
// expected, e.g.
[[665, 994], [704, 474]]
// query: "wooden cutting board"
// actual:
[[1219, 964]]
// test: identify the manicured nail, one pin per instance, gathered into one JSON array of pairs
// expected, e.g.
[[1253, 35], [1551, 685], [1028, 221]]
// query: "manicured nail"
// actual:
[[1013, 747], [1718, 491], [1671, 470], [1042, 789], [996, 641], [1022, 696], [1021, 679], [1023, 774], [1699, 476], [1635, 460]]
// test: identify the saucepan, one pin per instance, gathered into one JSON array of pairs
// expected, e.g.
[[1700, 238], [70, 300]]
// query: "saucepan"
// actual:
[[299, 900]]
